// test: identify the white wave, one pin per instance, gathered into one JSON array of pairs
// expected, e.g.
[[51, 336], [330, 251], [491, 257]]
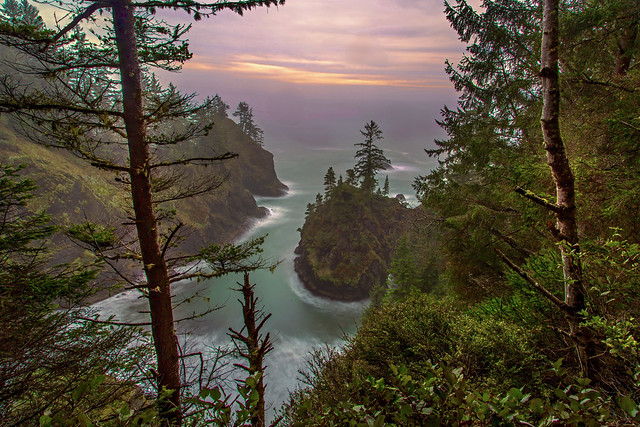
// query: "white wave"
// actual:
[[323, 304], [284, 363], [402, 167], [274, 216]]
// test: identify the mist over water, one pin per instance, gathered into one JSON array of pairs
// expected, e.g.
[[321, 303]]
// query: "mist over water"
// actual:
[[300, 321]]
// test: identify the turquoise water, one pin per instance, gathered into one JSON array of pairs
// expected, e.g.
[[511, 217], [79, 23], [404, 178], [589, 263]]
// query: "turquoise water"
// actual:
[[299, 321]]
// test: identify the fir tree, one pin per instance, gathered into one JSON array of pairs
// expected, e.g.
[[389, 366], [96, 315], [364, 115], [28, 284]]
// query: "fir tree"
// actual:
[[371, 158], [105, 105], [329, 182], [219, 107], [21, 13], [244, 113]]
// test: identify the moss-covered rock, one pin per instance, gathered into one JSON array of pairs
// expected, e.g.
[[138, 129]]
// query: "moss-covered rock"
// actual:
[[347, 241]]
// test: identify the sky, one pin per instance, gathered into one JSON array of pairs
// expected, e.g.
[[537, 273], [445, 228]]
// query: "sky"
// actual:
[[315, 72]]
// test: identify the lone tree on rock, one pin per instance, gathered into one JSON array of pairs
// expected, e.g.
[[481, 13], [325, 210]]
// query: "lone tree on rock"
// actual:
[[371, 158]]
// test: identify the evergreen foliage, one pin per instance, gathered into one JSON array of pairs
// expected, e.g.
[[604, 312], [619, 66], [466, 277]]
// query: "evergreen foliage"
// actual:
[[51, 352], [244, 113], [329, 182], [371, 158], [96, 92], [21, 13], [495, 206], [349, 234], [219, 108]]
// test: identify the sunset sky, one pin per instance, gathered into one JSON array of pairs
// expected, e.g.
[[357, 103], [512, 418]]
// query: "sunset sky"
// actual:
[[316, 71]]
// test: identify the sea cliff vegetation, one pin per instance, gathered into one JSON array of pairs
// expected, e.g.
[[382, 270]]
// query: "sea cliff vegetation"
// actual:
[[528, 315]]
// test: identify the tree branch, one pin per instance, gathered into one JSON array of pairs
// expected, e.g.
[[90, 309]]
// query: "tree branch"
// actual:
[[538, 200], [84, 15], [109, 166], [551, 297], [168, 242], [225, 156], [109, 322]]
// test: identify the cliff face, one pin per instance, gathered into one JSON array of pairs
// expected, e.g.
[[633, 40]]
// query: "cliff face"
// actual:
[[224, 213], [255, 164], [72, 191], [347, 241]]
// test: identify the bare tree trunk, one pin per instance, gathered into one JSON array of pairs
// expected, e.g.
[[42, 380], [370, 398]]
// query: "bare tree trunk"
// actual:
[[566, 230], [256, 347], [162, 327]]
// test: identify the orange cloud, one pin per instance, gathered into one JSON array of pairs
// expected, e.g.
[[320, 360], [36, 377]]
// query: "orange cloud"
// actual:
[[301, 76]]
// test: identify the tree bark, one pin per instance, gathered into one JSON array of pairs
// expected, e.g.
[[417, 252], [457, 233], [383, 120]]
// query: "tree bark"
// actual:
[[162, 326], [627, 43], [567, 230]]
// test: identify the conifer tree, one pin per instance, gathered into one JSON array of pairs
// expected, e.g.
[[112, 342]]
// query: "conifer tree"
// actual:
[[329, 181], [219, 107], [49, 350], [244, 113], [351, 177], [371, 158], [21, 13]]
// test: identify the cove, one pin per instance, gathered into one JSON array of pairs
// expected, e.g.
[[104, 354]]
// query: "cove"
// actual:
[[300, 321]]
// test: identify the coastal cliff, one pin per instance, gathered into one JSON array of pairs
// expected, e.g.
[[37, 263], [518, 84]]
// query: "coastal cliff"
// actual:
[[72, 191]]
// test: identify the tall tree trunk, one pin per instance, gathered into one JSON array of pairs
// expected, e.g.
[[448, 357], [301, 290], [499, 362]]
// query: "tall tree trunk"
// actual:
[[566, 226], [627, 43], [162, 326]]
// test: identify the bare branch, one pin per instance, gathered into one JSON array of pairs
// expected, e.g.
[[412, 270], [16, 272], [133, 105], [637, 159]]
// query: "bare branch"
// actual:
[[192, 160], [109, 322], [168, 242], [84, 15], [110, 166]]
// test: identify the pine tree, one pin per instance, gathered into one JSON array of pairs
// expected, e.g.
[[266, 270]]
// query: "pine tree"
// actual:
[[219, 107], [49, 350], [245, 120], [351, 177], [385, 189], [21, 13], [329, 182], [371, 158]]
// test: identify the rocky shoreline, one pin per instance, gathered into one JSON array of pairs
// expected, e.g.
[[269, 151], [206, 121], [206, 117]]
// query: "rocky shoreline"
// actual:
[[325, 288]]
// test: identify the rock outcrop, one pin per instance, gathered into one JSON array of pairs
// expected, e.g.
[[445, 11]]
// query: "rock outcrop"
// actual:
[[347, 242]]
